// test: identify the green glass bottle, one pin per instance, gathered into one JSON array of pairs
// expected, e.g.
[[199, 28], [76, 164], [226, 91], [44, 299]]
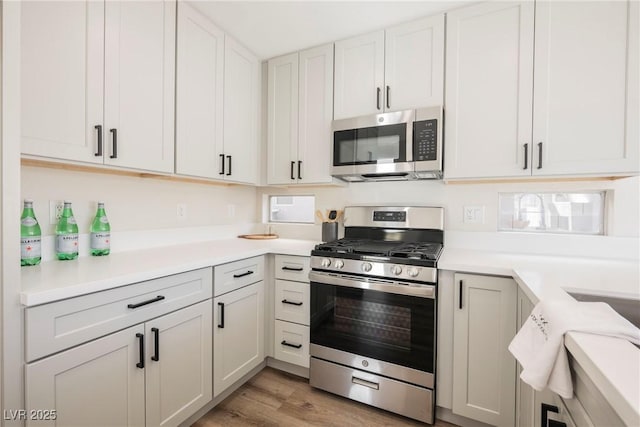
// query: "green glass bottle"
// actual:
[[30, 236], [67, 234], [100, 233]]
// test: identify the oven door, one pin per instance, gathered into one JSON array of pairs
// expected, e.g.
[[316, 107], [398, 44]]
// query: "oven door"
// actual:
[[379, 144], [390, 322]]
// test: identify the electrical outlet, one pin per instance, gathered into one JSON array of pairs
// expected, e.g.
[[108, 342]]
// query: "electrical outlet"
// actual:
[[473, 215], [55, 211], [181, 211]]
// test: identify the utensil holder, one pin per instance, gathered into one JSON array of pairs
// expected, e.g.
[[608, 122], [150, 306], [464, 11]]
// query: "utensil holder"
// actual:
[[329, 231]]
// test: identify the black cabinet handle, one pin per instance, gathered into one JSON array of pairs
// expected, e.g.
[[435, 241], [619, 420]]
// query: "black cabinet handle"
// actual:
[[98, 153], [292, 165], [378, 98], [114, 150], [156, 344], [299, 169], [229, 160], [460, 300], [151, 301], [140, 364], [236, 276], [539, 155], [284, 301], [221, 164], [526, 156], [545, 409], [388, 90], [291, 345], [221, 324], [554, 423], [292, 269]]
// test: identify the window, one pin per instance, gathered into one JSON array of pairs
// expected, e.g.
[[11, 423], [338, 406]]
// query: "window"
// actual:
[[574, 213], [291, 209]]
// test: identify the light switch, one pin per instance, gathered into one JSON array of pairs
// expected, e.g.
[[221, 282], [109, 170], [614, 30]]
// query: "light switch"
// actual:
[[473, 215]]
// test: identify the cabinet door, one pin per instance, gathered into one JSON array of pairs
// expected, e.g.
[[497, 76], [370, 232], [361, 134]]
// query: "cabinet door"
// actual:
[[292, 301], [586, 88], [524, 393], [291, 343], [140, 83], [484, 324], [241, 88], [489, 78], [282, 119], [315, 115], [95, 384], [238, 335], [179, 363], [62, 54], [359, 76], [414, 64], [199, 94]]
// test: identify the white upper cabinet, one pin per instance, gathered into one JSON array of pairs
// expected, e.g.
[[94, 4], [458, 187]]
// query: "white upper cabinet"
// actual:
[[585, 118], [575, 112], [300, 109], [414, 64], [62, 77], [396, 69], [140, 84], [199, 94], [489, 90], [79, 56], [241, 90], [359, 76]]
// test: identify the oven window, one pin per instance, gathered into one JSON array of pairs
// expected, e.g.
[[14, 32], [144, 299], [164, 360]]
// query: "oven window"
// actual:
[[390, 327], [383, 144]]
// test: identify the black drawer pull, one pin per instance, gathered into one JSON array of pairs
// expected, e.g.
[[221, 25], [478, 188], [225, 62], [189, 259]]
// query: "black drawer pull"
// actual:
[[237, 276], [151, 301], [284, 301], [140, 364], [221, 324], [99, 129], [291, 345], [114, 152], [156, 344], [292, 268]]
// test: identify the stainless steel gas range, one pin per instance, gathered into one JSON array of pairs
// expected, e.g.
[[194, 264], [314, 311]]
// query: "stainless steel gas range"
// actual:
[[373, 309]]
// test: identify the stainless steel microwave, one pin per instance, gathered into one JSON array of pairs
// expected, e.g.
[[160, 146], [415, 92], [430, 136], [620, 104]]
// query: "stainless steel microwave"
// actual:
[[400, 145]]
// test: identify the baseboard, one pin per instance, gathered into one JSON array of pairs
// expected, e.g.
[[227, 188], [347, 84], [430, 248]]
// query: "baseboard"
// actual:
[[445, 414], [288, 367]]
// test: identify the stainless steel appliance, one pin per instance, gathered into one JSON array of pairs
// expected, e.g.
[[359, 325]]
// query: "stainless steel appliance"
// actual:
[[373, 309], [394, 146]]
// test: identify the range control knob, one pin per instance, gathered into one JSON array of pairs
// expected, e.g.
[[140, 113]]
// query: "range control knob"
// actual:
[[413, 272], [339, 263], [396, 269], [366, 267], [326, 262]]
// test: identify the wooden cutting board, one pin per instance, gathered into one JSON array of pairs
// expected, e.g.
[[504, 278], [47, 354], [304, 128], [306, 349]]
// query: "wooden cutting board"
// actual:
[[258, 236]]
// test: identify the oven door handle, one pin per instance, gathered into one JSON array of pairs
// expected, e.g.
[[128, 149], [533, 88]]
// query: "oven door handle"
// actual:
[[423, 291]]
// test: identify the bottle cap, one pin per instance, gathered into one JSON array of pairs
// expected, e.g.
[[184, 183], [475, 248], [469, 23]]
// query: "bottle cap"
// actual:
[[67, 202], [100, 203], [28, 200]]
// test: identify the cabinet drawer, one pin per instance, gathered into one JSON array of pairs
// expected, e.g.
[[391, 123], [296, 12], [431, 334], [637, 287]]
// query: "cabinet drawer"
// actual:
[[290, 267], [234, 275], [292, 301], [50, 328], [291, 343]]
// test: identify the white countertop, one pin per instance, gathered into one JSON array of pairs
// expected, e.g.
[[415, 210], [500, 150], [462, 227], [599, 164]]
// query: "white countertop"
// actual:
[[540, 277]]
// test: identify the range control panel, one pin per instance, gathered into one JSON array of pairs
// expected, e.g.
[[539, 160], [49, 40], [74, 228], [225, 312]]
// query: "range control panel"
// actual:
[[389, 216], [425, 137]]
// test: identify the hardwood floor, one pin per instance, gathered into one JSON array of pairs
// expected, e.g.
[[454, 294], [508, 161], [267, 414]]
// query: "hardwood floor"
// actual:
[[275, 398]]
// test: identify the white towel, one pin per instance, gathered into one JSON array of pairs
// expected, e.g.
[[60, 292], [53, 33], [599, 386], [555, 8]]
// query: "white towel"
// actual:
[[539, 345]]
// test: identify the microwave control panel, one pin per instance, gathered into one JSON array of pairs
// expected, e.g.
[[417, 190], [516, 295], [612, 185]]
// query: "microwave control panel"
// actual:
[[425, 140]]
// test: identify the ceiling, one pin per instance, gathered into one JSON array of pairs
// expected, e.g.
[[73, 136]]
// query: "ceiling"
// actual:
[[272, 28]]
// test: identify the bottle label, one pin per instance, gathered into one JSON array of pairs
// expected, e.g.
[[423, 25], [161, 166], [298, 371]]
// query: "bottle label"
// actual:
[[30, 247], [100, 240], [67, 244], [104, 220], [71, 220], [28, 221]]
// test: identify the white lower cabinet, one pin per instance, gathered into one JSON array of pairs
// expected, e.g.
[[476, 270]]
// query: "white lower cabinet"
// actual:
[[484, 374], [154, 374], [524, 393], [238, 334]]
